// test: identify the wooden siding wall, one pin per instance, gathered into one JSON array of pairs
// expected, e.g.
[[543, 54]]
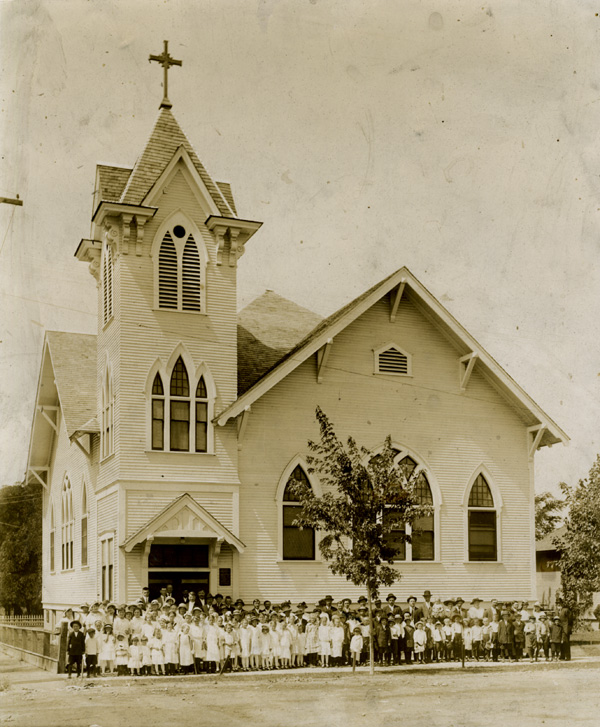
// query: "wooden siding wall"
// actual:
[[453, 432], [63, 588]]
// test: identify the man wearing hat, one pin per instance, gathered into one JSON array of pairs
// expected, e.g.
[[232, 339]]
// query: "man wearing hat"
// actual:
[[493, 610], [329, 608], [75, 648], [427, 605], [145, 597], [390, 604], [475, 611], [413, 610]]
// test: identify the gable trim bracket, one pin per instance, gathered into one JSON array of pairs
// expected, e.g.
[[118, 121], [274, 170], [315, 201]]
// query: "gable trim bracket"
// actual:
[[322, 358], [54, 410], [535, 435], [395, 300], [86, 450], [467, 364], [231, 234], [242, 423], [35, 470]]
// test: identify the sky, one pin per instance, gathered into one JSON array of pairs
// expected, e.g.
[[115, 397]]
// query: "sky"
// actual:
[[456, 138]]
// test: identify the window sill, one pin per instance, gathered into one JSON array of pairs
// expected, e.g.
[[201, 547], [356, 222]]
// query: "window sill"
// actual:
[[108, 322], [286, 562], [184, 454], [108, 457], [482, 562], [85, 567], [68, 570], [185, 312], [417, 562]]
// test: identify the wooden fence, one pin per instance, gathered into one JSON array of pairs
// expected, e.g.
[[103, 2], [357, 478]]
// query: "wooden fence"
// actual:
[[29, 622]]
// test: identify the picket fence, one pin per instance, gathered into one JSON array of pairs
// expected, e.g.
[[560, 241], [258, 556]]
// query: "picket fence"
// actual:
[[32, 622]]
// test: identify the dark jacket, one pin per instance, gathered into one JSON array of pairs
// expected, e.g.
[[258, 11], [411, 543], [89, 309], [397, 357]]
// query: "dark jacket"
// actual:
[[76, 643]]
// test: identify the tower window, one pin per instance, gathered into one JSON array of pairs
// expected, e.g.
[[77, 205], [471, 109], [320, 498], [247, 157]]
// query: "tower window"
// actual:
[[180, 270]]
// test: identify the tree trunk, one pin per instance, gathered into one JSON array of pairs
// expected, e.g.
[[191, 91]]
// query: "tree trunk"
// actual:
[[371, 649]]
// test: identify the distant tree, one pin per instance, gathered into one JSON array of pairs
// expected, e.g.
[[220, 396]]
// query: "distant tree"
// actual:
[[21, 548], [580, 546], [548, 511], [367, 501]]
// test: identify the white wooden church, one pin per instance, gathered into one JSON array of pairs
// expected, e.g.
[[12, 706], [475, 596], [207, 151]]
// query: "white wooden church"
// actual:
[[166, 441]]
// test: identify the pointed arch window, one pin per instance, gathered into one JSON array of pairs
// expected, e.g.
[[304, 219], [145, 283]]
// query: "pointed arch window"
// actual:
[[179, 408], [298, 543], [67, 525], [422, 531], [201, 417], [482, 522], [180, 270], [52, 538], [84, 525], [107, 284], [108, 412], [158, 414]]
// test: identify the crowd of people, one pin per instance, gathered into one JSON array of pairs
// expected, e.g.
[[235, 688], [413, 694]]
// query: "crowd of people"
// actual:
[[199, 633]]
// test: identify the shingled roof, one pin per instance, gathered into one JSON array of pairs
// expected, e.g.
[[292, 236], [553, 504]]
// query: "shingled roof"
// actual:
[[267, 329], [164, 141], [112, 181], [74, 363]]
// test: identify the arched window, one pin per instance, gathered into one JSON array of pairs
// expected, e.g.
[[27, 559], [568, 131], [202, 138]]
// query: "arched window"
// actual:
[[158, 414], [84, 525], [107, 284], [201, 416], [422, 530], [180, 269], [483, 541], [52, 537], [179, 409], [108, 409], [298, 543], [67, 525]]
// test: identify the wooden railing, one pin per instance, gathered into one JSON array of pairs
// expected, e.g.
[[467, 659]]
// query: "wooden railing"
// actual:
[[32, 622]]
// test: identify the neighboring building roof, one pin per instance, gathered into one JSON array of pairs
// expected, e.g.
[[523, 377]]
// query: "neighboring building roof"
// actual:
[[435, 312], [112, 181], [267, 329], [547, 542], [165, 139], [73, 358]]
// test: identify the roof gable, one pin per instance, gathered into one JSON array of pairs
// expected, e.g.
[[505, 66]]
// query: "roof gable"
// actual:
[[402, 282], [184, 517], [165, 139]]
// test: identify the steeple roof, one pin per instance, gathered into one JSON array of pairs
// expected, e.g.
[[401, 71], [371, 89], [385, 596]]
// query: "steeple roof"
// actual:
[[164, 141]]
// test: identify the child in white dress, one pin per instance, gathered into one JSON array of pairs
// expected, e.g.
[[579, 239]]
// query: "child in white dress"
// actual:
[[122, 654], [256, 645], [186, 657], [275, 645], [157, 652], [356, 645], [337, 640], [265, 647], [198, 644], [171, 649], [146, 656], [135, 657], [245, 637], [324, 640], [213, 650], [107, 650], [285, 646], [420, 641]]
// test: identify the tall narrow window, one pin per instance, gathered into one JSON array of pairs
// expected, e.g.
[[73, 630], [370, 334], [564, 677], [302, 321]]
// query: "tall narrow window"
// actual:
[[190, 276], [201, 417], [84, 526], [107, 433], [52, 537], [298, 543], [180, 409], [158, 414], [482, 522], [67, 525], [167, 274], [107, 575], [107, 284]]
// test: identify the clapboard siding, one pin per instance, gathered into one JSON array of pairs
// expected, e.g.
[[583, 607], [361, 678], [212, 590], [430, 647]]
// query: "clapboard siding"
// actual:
[[142, 506], [134, 573], [79, 582], [453, 432]]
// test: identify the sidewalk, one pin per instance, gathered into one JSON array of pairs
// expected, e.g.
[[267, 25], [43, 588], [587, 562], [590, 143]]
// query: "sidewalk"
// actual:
[[15, 672]]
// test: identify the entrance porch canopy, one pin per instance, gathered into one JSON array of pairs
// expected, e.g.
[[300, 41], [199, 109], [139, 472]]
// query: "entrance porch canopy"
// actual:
[[184, 518]]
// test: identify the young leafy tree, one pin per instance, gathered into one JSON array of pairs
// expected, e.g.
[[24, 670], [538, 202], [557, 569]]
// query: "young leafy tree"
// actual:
[[580, 546], [21, 548], [367, 501], [548, 515]]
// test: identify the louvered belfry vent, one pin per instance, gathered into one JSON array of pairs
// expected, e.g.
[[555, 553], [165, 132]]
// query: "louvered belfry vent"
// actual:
[[392, 361], [167, 273], [191, 282]]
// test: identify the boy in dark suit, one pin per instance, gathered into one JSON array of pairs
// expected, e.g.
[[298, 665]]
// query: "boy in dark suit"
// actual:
[[75, 649]]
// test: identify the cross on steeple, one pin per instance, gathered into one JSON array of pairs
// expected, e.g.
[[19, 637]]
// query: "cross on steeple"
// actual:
[[166, 62]]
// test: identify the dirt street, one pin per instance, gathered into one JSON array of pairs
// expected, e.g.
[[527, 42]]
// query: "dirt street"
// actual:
[[555, 694]]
